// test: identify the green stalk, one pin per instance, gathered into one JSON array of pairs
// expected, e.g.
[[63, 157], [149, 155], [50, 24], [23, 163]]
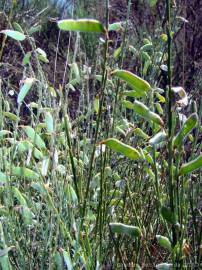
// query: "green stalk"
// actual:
[[98, 121], [71, 158], [170, 121]]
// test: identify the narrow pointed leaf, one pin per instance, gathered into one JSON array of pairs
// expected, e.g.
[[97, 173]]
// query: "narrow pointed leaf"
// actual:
[[191, 166], [132, 80], [14, 34], [122, 148], [82, 25]]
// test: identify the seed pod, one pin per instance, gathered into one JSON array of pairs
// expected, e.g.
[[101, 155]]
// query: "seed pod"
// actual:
[[191, 166], [120, 228], [132, 80], [143, 111], [122, 148], [188, 126], [159, 137]]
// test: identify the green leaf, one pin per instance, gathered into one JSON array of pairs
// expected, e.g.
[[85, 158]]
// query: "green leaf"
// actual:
[[25, 89], [152, 3], [25, 146], [143, 111], [139, 132], [164, 266], [117, 26], [18, 27], [82, 25], [14, 34], [5, 251], [45, 166], [67, 260], [34, 137], [96, 104], [147, 47], [132, 80], [3, 178], [26, 58], [117, 52], [187, 127], [34, 29], [134, 93], [24, 172], [122, 148], [158, 138], [11, 116], [75, 69], [4, 132], [121, 228], [18, 195], [164, 242], [167, 214], [58, 261], [27, 215], [49, 122], [191, 166], [42, 56]]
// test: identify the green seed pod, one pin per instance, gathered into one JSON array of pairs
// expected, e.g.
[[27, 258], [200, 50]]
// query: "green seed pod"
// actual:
[[120, 228], [188, 126], [132, 80], [159, 137], [191, 166], [122, 148]]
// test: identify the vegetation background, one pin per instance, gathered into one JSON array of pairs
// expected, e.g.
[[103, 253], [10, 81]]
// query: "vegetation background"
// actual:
[[100, 135]]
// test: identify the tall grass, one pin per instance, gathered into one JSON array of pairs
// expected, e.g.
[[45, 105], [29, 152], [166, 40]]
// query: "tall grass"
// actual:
[[111, 187]]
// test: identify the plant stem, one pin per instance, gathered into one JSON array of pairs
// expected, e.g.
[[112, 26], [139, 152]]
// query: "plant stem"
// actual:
[[170, 121]]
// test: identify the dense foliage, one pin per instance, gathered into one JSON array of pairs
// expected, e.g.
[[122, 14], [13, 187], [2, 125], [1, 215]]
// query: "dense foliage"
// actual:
[[100, 151]]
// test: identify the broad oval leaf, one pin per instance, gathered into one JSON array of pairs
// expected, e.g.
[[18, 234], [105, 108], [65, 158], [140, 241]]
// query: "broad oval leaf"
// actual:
[[164, 242], [187, 127], [82, 25], [121, 228], [122, 148], [14, 34], [143, 111], [25, 89], [132, 80], [34, 137], [191, 166]]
